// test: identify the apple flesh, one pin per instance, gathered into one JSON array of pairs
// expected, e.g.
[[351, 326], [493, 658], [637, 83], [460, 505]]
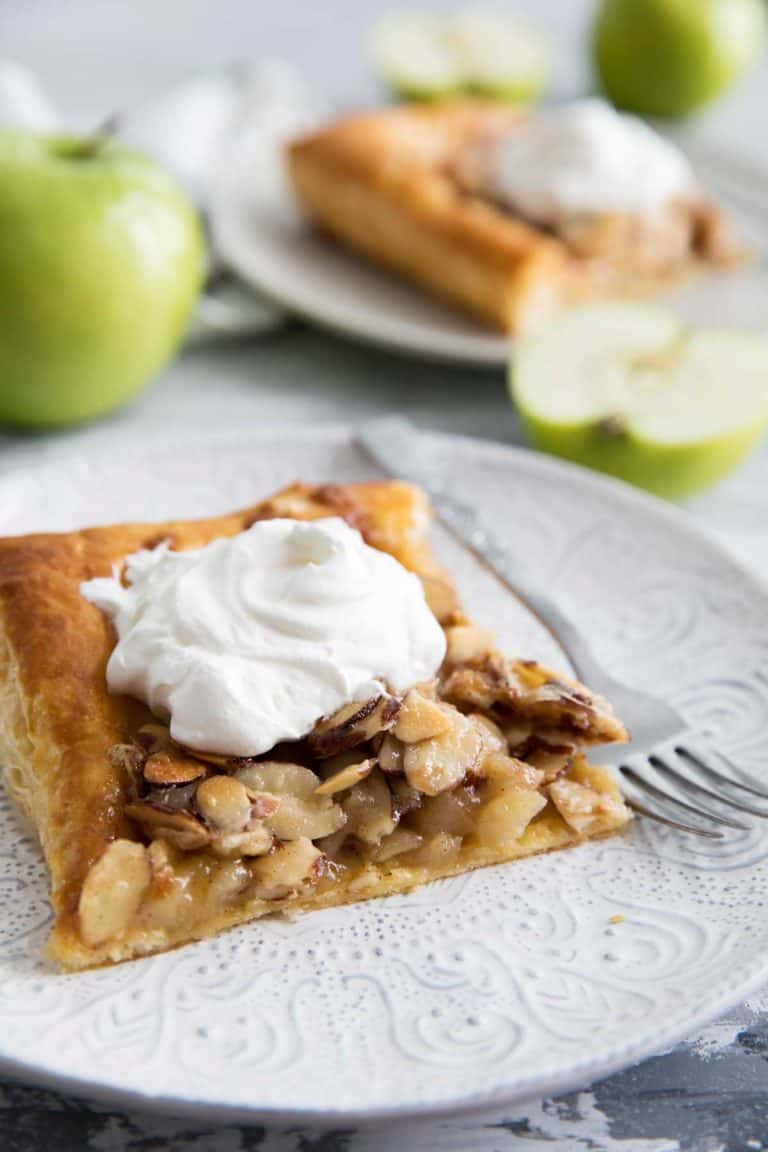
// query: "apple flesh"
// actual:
[[624, 389], [669, 57], [101, 260], [434, 56]]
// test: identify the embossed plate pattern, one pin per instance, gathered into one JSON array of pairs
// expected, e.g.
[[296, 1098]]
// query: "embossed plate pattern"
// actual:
[[475, 991]]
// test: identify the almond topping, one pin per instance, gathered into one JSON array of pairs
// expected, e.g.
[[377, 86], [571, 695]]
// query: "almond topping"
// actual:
[[345, 778], [169, 767], [224, 803], [160, 821], [352, 725]]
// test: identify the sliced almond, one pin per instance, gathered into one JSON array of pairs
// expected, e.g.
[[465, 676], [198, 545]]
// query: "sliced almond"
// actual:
[[352, 725], [420, 719], [160, 821], [172, 767], [224, 803], [442, 762], [113, 891], [369, 811], [468, 644], [345, 778], [286, 869], [441, 597]]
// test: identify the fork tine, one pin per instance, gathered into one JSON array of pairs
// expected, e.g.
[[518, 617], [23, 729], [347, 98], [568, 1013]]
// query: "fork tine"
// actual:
[[706, 833], [708, 770], [660, 794], [696, 787]]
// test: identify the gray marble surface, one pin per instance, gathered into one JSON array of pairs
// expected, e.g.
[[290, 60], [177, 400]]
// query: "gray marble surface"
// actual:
[[708, 1094]]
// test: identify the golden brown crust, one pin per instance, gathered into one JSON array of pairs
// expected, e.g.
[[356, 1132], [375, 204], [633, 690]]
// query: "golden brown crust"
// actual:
[[384, 184]]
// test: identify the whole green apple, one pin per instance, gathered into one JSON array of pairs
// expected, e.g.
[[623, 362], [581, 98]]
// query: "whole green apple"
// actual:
[[669, 57], [101, 260]]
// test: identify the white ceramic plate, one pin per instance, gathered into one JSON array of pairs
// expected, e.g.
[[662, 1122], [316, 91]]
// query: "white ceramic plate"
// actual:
[[475, 991], [260, 233]]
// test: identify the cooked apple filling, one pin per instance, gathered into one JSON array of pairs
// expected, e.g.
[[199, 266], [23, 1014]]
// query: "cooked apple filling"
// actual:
[[486, 757]]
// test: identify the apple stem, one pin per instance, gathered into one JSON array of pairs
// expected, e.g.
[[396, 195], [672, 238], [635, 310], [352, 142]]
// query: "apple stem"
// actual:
[[93, 144]]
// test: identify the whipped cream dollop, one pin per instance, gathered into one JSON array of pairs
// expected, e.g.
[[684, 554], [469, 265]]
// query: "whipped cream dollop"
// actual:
[[250, 640], [586, 158]]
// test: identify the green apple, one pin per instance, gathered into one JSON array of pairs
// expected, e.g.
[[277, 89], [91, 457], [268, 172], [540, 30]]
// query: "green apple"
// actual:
[[101, 260], [432, 56], [669, 57], [623, 388]]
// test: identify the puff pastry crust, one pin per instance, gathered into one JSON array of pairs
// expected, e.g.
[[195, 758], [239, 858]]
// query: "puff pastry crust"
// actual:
[[389, 184], [58, 727]]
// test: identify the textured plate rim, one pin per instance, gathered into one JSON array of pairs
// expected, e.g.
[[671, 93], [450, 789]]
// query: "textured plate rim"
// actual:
[[753, 976]]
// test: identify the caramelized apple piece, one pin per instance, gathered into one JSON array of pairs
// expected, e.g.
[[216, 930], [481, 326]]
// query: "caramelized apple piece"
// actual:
[[491, 735], [468, 644], [583, 807], [552, 761], [302, 813], [504, 819], [453, 812], [405, 798], [420, 718], [369, 810], [441, 597], [113, 891], [400, 841], [501, 772], [287, 869], [435, 765], [440, 851], [391, 753]]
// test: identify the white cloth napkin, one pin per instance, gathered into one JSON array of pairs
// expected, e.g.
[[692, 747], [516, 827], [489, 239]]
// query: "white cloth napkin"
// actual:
[[195, 130]]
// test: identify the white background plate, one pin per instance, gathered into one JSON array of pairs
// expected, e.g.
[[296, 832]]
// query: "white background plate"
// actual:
[[497, 986], [261, 234]]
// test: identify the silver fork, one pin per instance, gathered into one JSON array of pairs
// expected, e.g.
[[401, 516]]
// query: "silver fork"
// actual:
[[663, 749]]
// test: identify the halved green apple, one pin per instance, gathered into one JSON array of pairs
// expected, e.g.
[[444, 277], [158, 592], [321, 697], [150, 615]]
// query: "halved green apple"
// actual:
[[625, 389], [431, 56]]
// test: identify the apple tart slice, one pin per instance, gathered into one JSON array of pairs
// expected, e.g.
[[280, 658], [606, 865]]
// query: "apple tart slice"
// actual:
[[151, 843]]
